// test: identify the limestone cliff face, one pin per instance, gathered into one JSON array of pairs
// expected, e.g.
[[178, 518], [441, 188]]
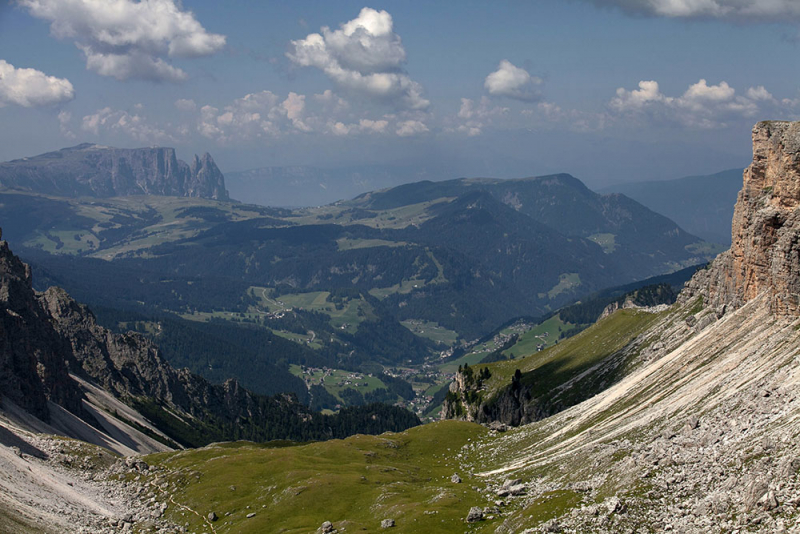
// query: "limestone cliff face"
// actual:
[[98, 171], [33, 369], [765, 251]]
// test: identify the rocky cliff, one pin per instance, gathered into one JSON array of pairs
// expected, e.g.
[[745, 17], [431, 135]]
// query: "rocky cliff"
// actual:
[[764, 257], [32, 354], [99, 171]]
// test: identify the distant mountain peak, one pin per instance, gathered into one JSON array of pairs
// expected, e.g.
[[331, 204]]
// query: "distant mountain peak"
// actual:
[[100, 171]]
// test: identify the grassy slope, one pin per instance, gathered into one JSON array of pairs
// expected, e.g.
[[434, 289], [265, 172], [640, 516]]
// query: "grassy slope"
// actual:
[[354, 483], [561, 362], [357, 482], [546, 333]]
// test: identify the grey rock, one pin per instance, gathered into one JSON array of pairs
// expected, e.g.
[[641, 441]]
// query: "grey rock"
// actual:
[[497, 426], [755, 490], [455, 479], [327, 528], [475, 514], [615, 506], [387, 523], [250, 515], [212, 516], [517, 489]]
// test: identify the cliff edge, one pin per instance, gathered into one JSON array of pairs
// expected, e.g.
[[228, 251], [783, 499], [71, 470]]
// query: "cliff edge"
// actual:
[[765, 253]]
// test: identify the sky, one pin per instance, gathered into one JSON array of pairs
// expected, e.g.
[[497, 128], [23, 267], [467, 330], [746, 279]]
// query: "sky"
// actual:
[[608, 90]]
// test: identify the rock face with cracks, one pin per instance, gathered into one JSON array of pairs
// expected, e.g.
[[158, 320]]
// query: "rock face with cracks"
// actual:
[[765, 253]]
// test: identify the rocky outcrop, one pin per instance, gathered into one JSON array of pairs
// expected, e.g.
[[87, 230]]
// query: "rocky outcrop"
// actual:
[[765, 251], [32, 354], [99, 171]]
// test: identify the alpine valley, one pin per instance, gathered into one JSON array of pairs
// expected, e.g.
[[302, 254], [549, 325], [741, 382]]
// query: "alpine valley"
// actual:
[[580, 385]]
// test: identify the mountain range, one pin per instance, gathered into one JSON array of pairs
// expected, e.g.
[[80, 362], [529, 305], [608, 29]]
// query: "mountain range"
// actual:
[[679, 417], [392, 277]]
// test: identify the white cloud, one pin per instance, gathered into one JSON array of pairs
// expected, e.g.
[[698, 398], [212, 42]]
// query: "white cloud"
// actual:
[[364, 56], [635, 100], [760, 94], [252, 116], [126, 39], [31, 88], [737, 10], [135, 126], [410, 127], [64, 118], [185, 104], [368, 125], [339, 128], [294, 106], [513, 82], [474, 117], [701, 105]]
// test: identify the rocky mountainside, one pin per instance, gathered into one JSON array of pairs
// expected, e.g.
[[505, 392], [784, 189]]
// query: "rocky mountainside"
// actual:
[[100, 171], [32, 366], [687, 415], [54, 354]]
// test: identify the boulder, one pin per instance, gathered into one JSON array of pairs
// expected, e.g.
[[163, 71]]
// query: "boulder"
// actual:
[[475, 514]]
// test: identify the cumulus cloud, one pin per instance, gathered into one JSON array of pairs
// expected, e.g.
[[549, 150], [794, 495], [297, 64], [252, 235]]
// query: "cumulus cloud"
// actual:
[[294, 106], [135, 126], [473, 117], [185, 104], [365, 56], [369, 125], [738, 10], [701, 105], [410, 127], [125, 39], [252, 116], [513, 82], [31, 88]]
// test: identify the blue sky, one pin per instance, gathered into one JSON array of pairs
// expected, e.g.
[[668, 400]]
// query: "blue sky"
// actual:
[[608, 90]]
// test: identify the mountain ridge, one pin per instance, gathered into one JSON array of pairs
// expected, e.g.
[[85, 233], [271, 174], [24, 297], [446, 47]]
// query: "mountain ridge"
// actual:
[[100, 171], [702, 205]]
